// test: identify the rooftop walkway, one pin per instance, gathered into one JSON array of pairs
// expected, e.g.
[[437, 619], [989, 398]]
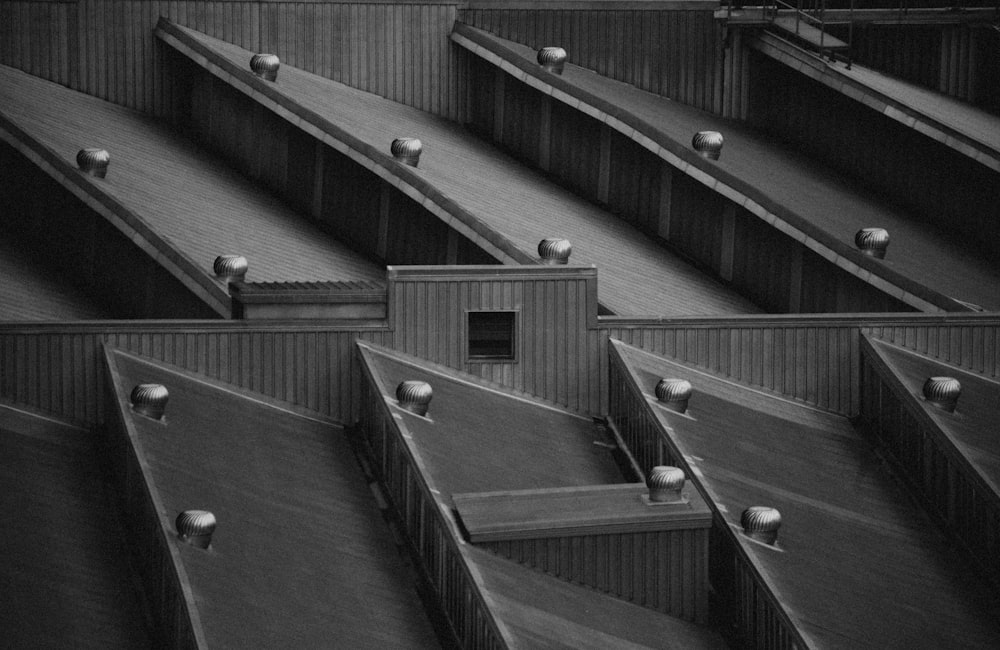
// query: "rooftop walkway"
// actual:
[[858, 563], [178, 202], [798, 196], [66, 583], [473, 185], [302, 555], [971, 131], [30, 290]]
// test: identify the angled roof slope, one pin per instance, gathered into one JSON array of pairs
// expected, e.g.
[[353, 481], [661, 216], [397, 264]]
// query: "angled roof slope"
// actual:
[[301, 555], [30, 290], [478, 438], [858, 563], [182, 200], [972, 429], [66, 582], [794, 193], [474, 185]]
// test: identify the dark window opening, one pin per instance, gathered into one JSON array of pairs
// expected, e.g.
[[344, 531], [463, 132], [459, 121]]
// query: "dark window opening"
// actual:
[[491, 334]]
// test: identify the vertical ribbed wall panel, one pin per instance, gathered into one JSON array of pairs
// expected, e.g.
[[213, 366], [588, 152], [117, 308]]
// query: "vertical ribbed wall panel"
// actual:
[[666, 570], [59, 370], [674, 53], [106, 48]]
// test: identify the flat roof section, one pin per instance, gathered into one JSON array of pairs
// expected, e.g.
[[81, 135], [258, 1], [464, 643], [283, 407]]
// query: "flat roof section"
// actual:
[[301, 555], [31, 291], [185, 195], [858, 563], [501, 195], [66, 581], [794, 193]]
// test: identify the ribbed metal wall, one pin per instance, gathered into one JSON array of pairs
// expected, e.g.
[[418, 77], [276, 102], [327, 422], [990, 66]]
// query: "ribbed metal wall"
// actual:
[[106, 48], [58, 369], [955, 493], [676, 53], [556, 355], [666, 571]]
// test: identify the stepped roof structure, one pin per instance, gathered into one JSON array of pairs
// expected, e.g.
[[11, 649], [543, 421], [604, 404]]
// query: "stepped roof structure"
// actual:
[[674, 330]]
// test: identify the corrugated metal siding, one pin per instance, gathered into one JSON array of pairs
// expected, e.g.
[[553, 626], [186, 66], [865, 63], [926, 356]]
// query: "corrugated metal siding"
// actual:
[[556, 356], [676, 53], [106, 48], [666, 571], [952, 491], [58, 369]]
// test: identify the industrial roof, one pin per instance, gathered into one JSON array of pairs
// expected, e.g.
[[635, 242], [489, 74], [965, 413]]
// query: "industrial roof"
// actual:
[[813, 197], [301, 556], [201, 207], [503, 195], [854, 551]]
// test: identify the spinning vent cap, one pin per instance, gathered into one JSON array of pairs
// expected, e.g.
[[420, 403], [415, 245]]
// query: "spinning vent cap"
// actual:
[[554, 250], [196, 527], [943, 392], [761, 523], [552, 59], [708, 144], [406, 150], [93, 161], [674, 393], [665, 483], [265, 66], [414, 396], [230, 267], [872, 241], [150, 400]]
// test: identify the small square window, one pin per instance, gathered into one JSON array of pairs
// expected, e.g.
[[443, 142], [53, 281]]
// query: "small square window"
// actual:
[[491, 334]]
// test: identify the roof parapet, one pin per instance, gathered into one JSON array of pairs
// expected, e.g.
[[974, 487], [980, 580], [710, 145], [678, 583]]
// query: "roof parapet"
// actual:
[[872, 241], [414, 396], [554, 250], [761, 523], [265, 66], [708, 144], [196, 527], [943, 392], [674, 393], [93, 161], [407, 150], [552, 59], [665, 484], [150, 400]]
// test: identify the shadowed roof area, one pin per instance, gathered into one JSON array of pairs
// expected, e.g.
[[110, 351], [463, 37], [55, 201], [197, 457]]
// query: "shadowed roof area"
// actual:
[[972, 428], [65, 580], [855, 551], [185, 195], [31, 290], [479, 438], [301, 555], [638, 276], [819, 196]]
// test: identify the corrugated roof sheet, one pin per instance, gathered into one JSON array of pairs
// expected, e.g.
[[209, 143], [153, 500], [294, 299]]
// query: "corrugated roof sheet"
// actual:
[[301, 556], [860, 564], [508, 197], [183, 193]]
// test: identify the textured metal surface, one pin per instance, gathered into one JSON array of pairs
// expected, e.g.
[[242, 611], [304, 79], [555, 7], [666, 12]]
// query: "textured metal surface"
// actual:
[[942, 392], [407, 150], [674, 393], [230, 267], [196, 527], [94, 162], [761, 523], [665, 483], [414, 396], [553, 250], [552, 59]]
